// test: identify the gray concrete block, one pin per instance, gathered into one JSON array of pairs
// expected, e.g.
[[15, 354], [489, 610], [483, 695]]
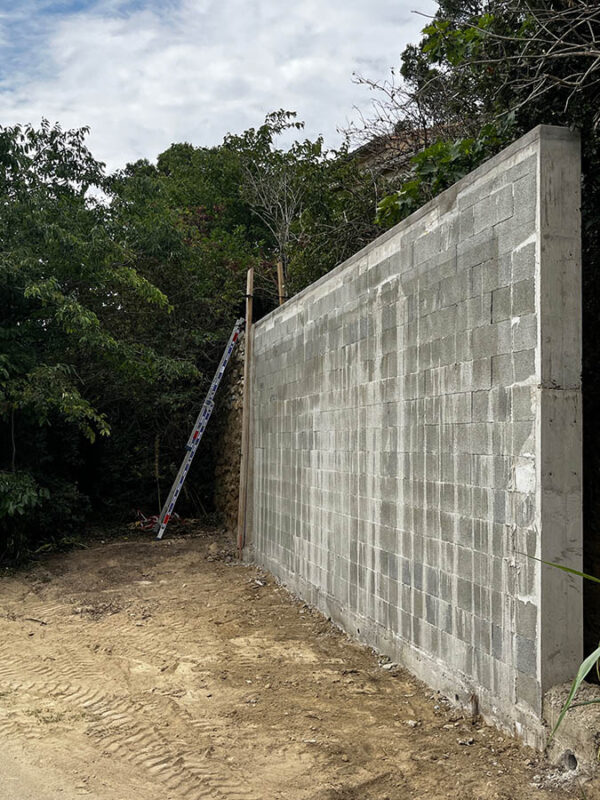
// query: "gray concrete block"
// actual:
[[464, 594], [524, 332], [523, 402], [501, 304], [526, 619], [523, 298], [525, 197], [524, 365], [502, 369], [523, 262], [482, 374], [525, 655]]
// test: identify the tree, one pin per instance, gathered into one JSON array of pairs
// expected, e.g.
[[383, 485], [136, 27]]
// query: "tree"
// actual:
[[316, 205], [65, 285], [120, 293], [188, 233]]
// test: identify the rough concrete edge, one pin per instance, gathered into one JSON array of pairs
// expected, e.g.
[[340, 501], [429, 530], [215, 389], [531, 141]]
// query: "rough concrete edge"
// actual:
[[445, 198], [560, 354]]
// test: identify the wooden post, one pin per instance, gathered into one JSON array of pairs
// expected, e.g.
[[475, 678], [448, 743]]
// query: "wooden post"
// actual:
[[244, 463], [280, 283]]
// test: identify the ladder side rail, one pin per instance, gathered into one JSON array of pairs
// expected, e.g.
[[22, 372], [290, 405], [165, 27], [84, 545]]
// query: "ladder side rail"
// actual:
[[196, 434], [218, 376], [180, 478]]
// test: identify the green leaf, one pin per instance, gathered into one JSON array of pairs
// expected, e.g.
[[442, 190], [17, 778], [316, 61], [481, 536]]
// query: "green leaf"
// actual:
[[583, 671], [563, 568]]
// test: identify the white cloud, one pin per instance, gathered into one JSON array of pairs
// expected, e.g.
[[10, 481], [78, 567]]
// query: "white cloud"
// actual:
[[146, 74]]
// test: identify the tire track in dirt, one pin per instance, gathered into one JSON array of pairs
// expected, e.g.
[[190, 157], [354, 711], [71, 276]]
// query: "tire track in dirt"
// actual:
[[191, 680], [119, 729], [12, 727], [122, 733], [69, 664]]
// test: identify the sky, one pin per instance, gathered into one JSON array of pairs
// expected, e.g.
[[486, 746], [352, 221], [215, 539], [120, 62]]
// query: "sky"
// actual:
[[145, 73]]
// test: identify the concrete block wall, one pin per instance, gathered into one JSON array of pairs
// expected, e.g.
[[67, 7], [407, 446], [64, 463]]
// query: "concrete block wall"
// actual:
[[416, 436]]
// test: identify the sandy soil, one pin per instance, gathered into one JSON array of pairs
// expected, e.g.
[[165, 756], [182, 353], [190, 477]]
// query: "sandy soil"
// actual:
[[142, 669]]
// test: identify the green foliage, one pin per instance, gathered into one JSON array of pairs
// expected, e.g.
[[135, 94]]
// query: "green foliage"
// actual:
[[50, 390], [187, 233], [584, 670], [120, 293], [443, 42], [439, 166], [337, 219], [20, 496], [313, 206], [70, 336]]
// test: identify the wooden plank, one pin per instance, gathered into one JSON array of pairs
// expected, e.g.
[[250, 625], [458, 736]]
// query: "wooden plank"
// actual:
[[243, 499], [280, 283]]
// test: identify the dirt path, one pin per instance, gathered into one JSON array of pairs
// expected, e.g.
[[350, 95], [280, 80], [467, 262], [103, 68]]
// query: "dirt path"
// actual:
[[139, 669]]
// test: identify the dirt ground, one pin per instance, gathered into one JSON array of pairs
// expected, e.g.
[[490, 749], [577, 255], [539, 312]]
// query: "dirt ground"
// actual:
[[143, 669]]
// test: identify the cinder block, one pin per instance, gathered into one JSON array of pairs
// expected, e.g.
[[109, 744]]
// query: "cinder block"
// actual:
[[464, 597], [431, 609], [525, 197], [523, 298], [525, 655], [529, 691], [482, 374], [526, 620], [463, 625], [524, 333], [475, 251], [523, 262], [501, 304]]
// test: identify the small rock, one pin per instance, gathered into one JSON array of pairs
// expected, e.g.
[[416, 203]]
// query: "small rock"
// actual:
[[411, 723], [468, 741], [345, 758], [391, 665]]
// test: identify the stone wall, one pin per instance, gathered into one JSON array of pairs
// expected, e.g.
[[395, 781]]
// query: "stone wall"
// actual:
[[416, 436], [228, 438]]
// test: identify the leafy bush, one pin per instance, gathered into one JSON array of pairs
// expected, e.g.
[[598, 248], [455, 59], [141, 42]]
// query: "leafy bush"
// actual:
[[20, 497], [439, 166], [35, 510]]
